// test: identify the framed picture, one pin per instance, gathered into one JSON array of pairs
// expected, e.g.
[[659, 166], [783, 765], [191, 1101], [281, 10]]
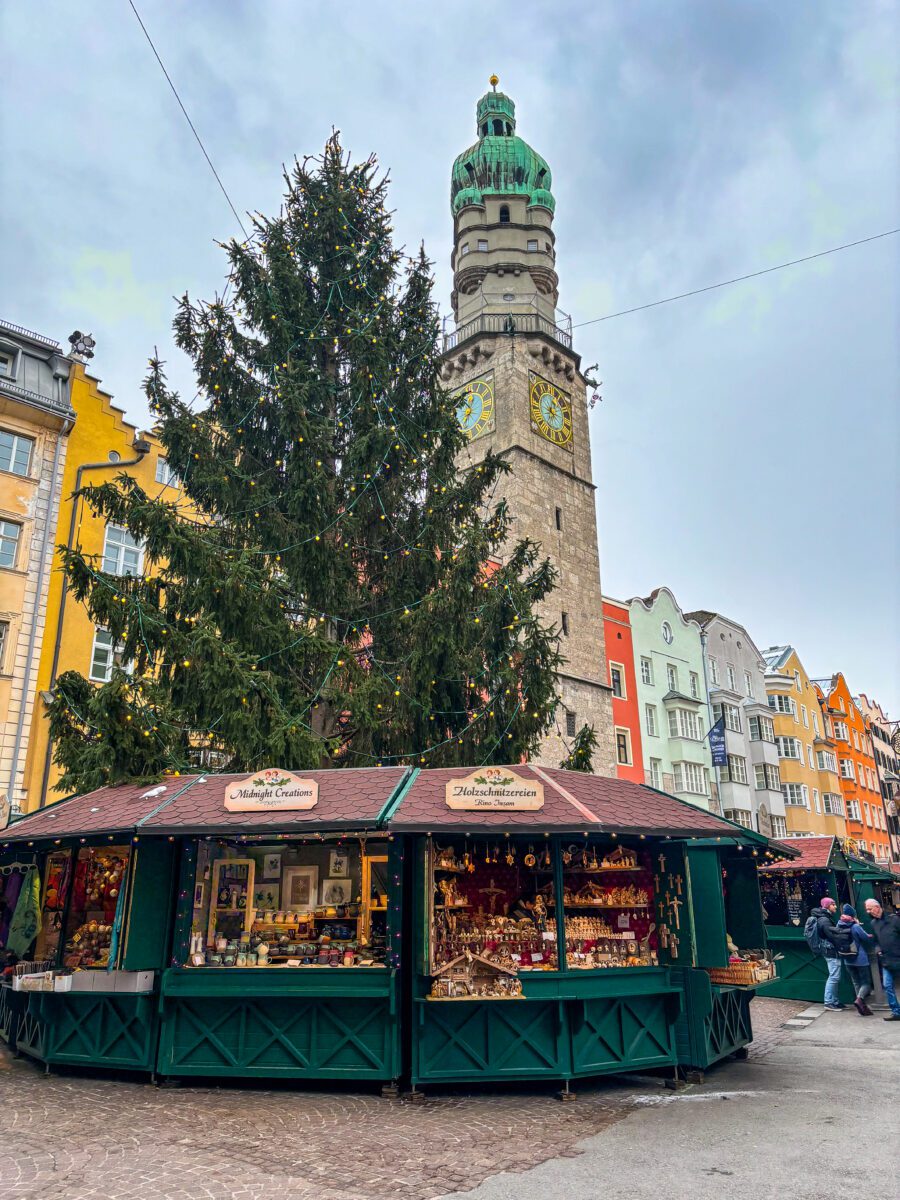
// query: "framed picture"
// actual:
[[271, 866], [298, 888], [336, 891], [198, 895], [267, 895], [339, 864]]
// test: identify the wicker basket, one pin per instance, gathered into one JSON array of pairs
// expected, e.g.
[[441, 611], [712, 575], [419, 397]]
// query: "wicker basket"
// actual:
[[743, 974]]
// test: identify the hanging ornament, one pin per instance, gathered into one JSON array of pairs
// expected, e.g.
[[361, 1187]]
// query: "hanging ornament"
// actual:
[[530, 860]]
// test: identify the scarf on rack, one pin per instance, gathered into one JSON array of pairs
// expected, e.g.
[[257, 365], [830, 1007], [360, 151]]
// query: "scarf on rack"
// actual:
[[26, 922]]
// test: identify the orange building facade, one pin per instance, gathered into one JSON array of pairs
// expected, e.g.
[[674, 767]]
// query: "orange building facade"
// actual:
[[626, 712], [867, 821]]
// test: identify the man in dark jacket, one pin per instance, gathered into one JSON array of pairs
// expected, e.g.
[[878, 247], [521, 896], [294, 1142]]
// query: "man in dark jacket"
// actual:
[[824, 915], [886, 928]]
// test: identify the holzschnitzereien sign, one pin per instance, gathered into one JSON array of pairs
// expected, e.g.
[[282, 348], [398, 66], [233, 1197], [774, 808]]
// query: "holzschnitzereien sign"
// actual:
[[494, 789], [272, 791]]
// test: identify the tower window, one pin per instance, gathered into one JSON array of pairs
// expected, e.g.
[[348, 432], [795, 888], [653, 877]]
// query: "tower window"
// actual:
[[464, 248], [520, 174], [504, 214], [482, 244], [498, 127], [540, 176], [484, 129], [565, 624], [559, 518], [571, 723], [532, 244], [471, 171]]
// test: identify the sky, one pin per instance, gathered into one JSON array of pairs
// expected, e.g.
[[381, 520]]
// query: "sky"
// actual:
[[746, 447]]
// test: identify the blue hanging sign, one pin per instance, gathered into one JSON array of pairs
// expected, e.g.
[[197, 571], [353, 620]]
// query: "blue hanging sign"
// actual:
[[717, 744]]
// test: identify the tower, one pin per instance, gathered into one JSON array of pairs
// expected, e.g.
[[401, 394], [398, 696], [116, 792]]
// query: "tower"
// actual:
[[510, 365]]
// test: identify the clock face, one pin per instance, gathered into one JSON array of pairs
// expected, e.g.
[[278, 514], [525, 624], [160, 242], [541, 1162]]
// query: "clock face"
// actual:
[[551, 412], [475, 407]]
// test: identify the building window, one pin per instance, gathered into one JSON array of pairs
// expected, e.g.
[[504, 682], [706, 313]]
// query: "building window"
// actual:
[[685, 724], [559, 518], [729, 668], [841, 704], [532, 245], [847, 769], [565, 623], [789, 747], [736, 771], [9, 543], [656, 772], [779, 827], [782, 704], [833, 804], [748, 684], [617, 679], [504, 214], [868, 814], [165, 474], [122, 555], [668, 636], [793, 795], [713, 670], [826, 761], [690, 777], [805, 716], [650, 716], [759, 777], [672, 677], [464, 248], [695, 685], [15, 452], [739, 816], [571, 727], [761, 729], [482, 244], [767, 778], [840, 731], [4, 640], [623, 747], [646, 671], [853, 810], [732, 715], [6, 364], [797, 683], [105, 655], [809, 756]]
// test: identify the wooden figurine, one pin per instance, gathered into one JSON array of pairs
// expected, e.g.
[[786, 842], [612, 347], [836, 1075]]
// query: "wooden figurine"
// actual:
[[674, 904]]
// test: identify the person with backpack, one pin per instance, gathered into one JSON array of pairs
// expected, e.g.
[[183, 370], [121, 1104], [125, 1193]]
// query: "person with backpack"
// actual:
[[851, 941], [886, 928], [819, 934]]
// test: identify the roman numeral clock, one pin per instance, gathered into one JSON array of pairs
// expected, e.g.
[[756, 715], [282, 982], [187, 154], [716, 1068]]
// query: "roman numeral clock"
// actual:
[[475, 406], [551, 411]]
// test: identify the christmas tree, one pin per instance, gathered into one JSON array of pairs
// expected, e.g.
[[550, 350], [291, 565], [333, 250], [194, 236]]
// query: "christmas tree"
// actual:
[[334, 587]]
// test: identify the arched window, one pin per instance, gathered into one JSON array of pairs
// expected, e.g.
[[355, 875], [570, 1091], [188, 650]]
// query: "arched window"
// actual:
[[504, 214], [520, 174], [508, 129], [471, 171], [540, 176], [498, 127], [484, 129]]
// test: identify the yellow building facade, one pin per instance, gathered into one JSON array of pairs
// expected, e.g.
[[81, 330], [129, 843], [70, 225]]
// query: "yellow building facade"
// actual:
[[102, 445], [807, 756], [36, 419]]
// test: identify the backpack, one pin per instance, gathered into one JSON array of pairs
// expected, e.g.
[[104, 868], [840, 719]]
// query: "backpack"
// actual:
[[845, 943], [814, 939]]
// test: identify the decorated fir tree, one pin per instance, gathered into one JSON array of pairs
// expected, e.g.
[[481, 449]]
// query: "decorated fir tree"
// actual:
[[581, 752], [336, 595]]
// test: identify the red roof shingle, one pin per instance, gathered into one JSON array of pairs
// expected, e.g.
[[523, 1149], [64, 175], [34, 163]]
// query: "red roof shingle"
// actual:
[[814, 854]]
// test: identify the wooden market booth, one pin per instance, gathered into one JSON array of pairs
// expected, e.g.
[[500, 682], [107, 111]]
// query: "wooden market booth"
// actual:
[[823, 866], [616, 977], [149, 892]]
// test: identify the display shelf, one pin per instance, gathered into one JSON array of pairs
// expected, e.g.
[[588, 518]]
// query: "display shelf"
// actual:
[[466, 905], [450, 870], [582, 904]]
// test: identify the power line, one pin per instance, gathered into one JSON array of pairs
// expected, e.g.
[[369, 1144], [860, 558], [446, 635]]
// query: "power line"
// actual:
[[187, 118], [737, 279]]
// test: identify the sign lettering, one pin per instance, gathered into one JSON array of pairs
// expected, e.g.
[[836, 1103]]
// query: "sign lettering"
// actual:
[[494, 789], [272, 791]]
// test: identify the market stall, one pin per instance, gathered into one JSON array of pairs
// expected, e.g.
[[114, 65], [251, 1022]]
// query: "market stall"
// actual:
[[563, 925], [220, 925]]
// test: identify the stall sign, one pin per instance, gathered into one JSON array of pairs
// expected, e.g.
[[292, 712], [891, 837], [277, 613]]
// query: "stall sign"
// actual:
[[272, 791], [764, 820], [5, 810], [494, 789]]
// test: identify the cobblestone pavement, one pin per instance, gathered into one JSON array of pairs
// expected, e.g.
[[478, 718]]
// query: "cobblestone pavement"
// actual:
[[68, 1137]]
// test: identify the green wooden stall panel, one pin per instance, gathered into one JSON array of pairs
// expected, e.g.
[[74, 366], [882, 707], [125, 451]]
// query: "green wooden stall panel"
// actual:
[[467, 1040], [621, 1033], [743, 905], [91, 1029], [315, 1037], [149, 917], [707, 906], [801, 975], [715, 1021]]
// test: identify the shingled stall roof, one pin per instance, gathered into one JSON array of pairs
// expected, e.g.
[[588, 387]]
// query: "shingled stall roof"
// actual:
[[573, 800], [813, 854], [186, 804]]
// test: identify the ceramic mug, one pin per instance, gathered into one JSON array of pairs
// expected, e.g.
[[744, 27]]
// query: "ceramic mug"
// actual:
[[240, 959]]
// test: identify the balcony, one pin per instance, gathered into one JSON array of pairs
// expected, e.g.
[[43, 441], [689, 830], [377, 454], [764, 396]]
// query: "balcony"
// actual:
[[509, 324]]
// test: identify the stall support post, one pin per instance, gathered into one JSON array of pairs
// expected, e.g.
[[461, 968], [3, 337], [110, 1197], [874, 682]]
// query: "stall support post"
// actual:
[[562, 957], [181, 932]]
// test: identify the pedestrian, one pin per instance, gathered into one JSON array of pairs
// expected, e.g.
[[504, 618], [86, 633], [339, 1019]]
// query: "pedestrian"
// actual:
[[852, 940], [819, 934], [886, 928]]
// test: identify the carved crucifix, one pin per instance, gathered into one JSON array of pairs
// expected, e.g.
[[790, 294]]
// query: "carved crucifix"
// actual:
[[492, 892], [673, 944], [662, 863], [674, 904], [678, 884], [671, 882]]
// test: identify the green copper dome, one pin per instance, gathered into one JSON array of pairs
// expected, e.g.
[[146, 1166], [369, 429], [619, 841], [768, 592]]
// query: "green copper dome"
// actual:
[[500, 163]]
